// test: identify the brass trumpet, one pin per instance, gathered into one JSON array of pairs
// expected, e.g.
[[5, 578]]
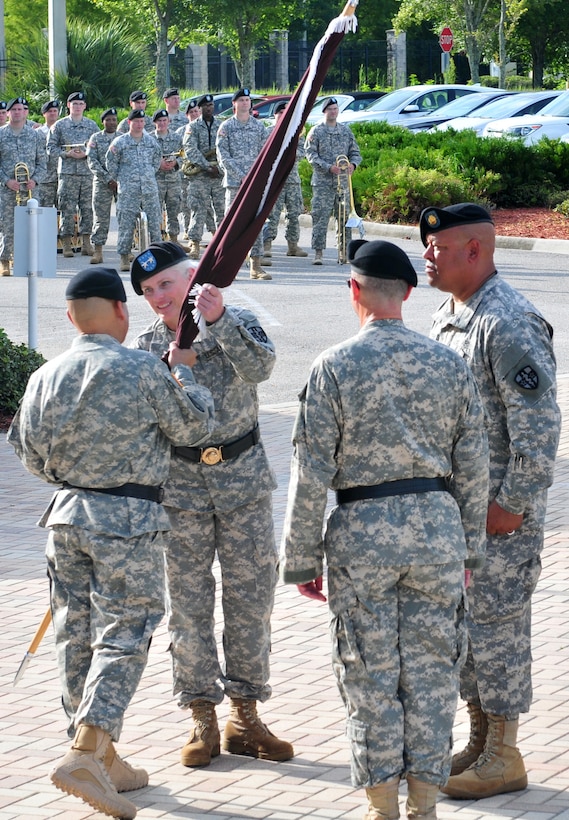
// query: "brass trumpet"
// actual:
[[22, 177], [81, 145], [190, 169]]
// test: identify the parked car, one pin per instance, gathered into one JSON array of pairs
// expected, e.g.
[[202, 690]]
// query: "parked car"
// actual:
[[552, 122], [410, 102], [266, 107], [456, 108], [353, 101], [520, 103]]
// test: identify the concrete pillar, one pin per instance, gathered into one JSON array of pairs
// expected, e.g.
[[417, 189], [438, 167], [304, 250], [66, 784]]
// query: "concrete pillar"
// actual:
[[57, 41], [197, 67], [279, 43], [396, 58]]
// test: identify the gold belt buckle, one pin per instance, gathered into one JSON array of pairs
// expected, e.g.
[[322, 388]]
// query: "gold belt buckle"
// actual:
[[211, 455]]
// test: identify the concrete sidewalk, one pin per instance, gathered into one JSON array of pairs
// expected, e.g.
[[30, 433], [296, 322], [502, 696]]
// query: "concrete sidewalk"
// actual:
[[305, 707]]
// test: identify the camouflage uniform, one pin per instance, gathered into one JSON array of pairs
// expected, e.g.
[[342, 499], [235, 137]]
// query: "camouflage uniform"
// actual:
[[105, 552], [203, 190], [47, 188], [170, 182], [238, 145], [75, 188], [324, 144], [387, 405], [134, 165], [102, 195], [177, 121], [507, 344], [290, 198], [26, 146], [123, 127], [223, 509]]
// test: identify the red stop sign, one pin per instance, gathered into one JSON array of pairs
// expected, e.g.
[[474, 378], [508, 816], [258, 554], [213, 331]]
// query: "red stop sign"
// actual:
[[445, 39]]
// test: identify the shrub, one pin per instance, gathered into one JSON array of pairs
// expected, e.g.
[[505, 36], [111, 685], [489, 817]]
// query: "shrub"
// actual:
[[17, 363]]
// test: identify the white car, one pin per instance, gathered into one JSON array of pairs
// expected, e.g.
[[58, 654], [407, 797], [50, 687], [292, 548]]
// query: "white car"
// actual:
[[412, 101], [526, 102], [552, 122], [352, 102]]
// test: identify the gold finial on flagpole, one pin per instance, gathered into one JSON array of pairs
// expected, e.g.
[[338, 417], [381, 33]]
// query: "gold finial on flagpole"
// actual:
[[349, 8]]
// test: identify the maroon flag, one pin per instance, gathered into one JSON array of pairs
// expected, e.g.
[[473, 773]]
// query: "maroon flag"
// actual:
[[260, 189]]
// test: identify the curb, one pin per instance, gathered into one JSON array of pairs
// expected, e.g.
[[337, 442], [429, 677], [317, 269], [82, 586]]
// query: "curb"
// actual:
[[521, 243]]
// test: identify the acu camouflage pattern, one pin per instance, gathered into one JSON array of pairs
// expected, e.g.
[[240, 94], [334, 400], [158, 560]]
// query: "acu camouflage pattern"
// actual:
[[222, 509], [48, 186], [26, 146], [204, 191], [508, 346], [177, 120], [102, 195], [324, 144], [290, 198], [133, 164], [170, 182], [123, 126], [383, 406], [75, 187], [106, 549]]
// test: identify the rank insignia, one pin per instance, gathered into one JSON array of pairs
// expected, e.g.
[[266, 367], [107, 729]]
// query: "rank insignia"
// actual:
[[147, 260], [527, 378]]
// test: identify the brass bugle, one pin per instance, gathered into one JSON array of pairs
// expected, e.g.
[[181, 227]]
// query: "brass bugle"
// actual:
[[22, 177], [81, 145]]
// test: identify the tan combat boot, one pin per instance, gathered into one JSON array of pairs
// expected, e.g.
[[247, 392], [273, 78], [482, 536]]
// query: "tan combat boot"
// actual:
[[194, 249], [421, 799], [86, 247], [383, 799], [124, 777], [125, 262], [67, 247], [255, 269], [499, 769], [267, 247], [4, 267], [204, 739], [475, 746], [97, 257], [245, 734], [294, 250], [317, 258], [173, 237], [82, 773]]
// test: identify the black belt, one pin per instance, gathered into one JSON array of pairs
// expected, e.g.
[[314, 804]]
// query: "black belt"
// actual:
[[405, 486], [221, 452], [143, 491]]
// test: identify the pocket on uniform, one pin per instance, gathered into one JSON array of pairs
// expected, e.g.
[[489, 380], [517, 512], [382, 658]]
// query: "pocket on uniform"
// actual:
[[356, 732]]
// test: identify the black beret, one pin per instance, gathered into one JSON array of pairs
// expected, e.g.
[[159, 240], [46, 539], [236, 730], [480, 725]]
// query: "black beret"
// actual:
[[96, 281], [382, 260], [280, 106], [157, 257], [158, 115], [110, 112], [17, 101], [137, 95], [191, 104], [329, 101], [433, 220], [136, 114], [3, 105], [243, 92], [47, 106], [76, 96], [207, 98], [170, 92]]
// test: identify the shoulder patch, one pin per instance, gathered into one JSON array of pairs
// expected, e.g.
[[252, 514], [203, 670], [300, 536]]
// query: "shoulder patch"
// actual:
[[527, 378], [258, 334]]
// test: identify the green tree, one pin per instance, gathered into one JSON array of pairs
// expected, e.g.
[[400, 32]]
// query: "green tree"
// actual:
[[542, 34]]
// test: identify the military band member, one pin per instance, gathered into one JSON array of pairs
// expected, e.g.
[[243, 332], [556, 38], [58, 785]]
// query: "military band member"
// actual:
[[238, 144], [68, 142], [138, 101], [169, 175], [18, 144], [192, 113], [172, 105], [48, 188], [132, 161], [3, 112], [324, 144], [290, 198], [205, 186], [392, 422], [104, 187]]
